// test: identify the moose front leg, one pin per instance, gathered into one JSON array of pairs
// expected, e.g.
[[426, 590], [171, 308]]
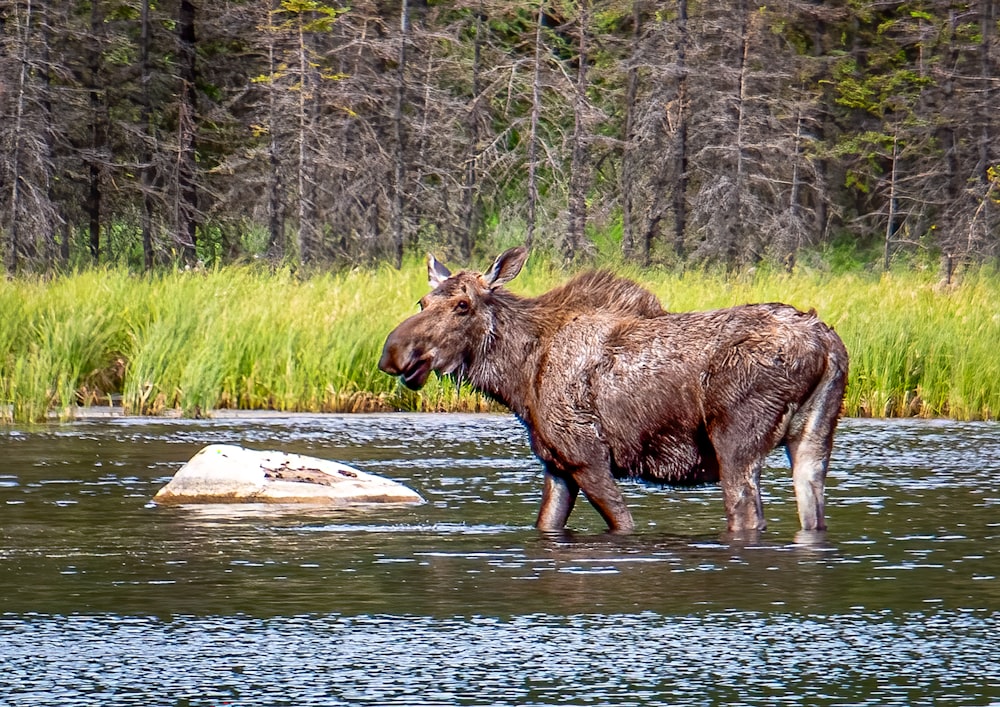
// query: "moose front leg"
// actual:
[[603, 493], [558, 497], [586, 467]]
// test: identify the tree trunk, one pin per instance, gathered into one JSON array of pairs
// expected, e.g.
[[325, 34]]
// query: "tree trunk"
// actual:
[[987, 25], [50, 246], [732, 244], [398, 133], [794, 197], [987, 158], [67, 235], [187, 208], [306, 244], [470, 189], [681, 139], [628, 137], [13, 254], [578, 178], [275, 187], [890, 222], [536, 111], [98, 131], [146, 117]]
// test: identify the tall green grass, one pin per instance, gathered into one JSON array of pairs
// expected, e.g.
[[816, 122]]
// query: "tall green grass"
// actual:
[[251, 338]]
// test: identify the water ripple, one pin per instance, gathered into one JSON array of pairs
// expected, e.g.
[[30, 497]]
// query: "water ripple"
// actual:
[[459, 601], [913, 658]]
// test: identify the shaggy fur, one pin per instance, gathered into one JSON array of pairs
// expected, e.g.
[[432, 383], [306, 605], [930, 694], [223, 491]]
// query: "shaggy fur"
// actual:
[[609, 385]]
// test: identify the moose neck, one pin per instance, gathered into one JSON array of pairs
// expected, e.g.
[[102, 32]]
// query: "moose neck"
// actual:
[[505, 365]]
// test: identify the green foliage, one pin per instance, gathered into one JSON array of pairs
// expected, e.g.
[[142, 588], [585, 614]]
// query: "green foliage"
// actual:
[[307, 15], [878, 91], [59, 337], [252, 338]]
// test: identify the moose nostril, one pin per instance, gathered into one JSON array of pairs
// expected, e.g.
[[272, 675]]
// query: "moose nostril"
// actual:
[[397, 357], [388, 362]]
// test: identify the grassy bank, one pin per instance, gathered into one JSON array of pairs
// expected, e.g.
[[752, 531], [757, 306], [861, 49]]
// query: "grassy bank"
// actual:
[[252, 339]]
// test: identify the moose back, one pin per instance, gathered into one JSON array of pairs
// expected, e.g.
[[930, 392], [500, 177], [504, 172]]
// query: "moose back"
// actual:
[[609, 385]]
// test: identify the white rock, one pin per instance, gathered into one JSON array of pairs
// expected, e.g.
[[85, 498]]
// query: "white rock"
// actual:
[[225, 473]]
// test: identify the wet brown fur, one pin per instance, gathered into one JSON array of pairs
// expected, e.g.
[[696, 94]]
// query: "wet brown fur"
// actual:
[[610, 385]]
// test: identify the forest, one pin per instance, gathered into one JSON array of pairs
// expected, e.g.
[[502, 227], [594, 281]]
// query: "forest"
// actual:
[[152, 133]]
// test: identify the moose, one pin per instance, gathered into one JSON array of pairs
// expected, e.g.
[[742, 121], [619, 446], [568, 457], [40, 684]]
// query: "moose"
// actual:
[[611, 386]]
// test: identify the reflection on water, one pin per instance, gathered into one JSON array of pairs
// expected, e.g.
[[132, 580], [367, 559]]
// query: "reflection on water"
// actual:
[[461, 601]]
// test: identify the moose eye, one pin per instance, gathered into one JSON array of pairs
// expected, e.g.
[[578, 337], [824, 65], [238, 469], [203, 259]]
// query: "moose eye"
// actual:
[[462, 307]]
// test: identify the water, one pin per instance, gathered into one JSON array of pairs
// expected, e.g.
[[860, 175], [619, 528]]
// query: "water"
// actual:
[[107, 599]]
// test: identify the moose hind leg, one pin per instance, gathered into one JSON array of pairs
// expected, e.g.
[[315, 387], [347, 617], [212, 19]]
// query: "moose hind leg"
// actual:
[[809, 449], [809, 460], [742, 499], [740, 462], [809, 442]]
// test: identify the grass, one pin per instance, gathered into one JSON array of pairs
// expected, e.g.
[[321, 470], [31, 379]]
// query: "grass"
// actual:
[[251, 338]]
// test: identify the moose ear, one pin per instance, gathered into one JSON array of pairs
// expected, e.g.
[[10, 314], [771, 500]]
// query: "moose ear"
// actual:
[[436, 272], [506, 267]]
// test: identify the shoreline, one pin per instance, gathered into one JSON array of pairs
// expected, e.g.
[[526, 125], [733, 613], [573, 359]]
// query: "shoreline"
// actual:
[[108, 412]]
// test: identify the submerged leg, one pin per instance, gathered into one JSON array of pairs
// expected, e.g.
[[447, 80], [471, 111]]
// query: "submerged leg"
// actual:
[[810, 438], [810, 459], [810, 441], [740, 463], [742, 500], [558, 497], [605, 496]]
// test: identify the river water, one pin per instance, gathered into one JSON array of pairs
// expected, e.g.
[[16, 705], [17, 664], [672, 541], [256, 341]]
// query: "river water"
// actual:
[[107, 599]]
